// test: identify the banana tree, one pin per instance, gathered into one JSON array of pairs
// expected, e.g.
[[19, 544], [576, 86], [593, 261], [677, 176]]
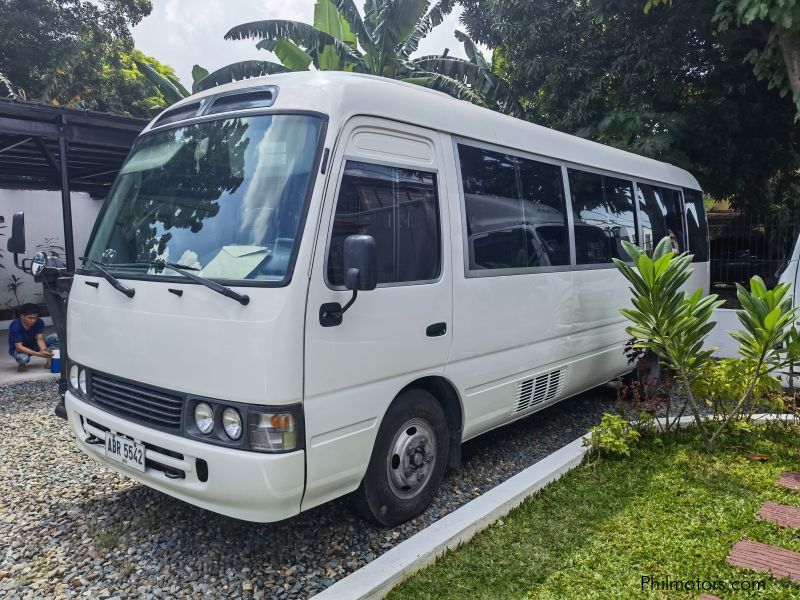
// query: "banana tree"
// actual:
[[172, 90], [381, 43]]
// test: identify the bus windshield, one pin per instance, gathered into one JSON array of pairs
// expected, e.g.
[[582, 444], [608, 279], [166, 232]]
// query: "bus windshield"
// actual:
[[222, 198]]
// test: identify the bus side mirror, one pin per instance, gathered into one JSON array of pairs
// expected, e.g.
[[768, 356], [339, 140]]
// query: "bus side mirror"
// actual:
[[16, 243], [360, 263]]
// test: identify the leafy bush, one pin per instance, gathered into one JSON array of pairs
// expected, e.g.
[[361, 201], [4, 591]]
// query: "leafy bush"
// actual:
[[723, 383], [614, 435]]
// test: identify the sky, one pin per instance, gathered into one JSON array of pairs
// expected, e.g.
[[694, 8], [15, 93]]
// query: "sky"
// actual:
[[182, 33]]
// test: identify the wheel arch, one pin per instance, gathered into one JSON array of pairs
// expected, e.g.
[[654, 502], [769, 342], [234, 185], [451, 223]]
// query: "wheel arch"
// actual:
[[447, 396]]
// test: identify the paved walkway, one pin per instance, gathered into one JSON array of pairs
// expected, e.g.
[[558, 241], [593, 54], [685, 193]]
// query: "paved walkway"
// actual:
[[776, 561], [8, 366]]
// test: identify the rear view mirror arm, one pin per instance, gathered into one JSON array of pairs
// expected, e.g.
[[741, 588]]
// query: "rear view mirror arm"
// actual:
[[330, 313], [350, 303]]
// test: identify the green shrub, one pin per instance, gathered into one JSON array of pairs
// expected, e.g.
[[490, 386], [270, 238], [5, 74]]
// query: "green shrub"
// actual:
[[614, 435], [674, 326]]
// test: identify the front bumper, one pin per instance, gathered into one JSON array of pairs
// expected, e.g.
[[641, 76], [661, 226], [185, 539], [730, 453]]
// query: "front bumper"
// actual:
[[241, 484]]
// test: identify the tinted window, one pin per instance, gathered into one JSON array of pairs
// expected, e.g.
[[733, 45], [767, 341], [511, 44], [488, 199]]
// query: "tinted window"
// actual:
[[696, 224], [660, 213], [397, 207], [515, 209], [604, 216]]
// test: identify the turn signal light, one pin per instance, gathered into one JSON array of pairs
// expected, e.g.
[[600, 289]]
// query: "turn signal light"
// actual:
[[273, 432]]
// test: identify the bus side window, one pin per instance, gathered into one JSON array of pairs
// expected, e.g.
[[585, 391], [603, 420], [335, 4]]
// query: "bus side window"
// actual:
[[399, 208], [661, 215], [515, 210], [696, 224], [604, 216]]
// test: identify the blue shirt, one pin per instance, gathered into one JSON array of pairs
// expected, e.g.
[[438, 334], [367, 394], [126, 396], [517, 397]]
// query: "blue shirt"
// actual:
[[17, 333]]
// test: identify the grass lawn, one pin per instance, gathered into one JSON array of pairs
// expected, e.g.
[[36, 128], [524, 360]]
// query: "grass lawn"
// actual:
[[668, 512]]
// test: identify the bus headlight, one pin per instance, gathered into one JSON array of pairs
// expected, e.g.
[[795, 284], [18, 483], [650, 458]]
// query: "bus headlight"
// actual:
[[73, 376], [204, 417], [77, 380], [273, 432], [232, 423]]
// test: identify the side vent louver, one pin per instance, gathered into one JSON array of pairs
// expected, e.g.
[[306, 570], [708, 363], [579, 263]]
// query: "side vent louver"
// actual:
[[540, 388], [178, 114], [243, 100]]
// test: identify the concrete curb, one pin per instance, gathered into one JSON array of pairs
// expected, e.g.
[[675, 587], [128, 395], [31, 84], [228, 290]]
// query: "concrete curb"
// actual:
[[760, 418], [377, 578]]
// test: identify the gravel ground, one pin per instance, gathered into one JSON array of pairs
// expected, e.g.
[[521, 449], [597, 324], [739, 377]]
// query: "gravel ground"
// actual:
[[69, 527]]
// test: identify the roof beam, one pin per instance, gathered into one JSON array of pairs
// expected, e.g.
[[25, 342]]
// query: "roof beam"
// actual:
[[48, 156], [32, 128], [97, 172], [19, 142]]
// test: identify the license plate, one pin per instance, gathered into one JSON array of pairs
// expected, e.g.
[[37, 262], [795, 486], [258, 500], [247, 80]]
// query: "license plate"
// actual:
[[125, 451]]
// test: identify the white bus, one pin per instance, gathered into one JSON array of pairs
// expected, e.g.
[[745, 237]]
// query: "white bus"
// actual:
[[397, 272]]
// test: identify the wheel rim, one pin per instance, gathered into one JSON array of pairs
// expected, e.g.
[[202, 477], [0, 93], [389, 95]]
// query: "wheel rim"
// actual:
[[411, 458]]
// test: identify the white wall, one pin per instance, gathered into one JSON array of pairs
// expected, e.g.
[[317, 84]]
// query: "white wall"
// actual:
[[43, 223], [727, 321]]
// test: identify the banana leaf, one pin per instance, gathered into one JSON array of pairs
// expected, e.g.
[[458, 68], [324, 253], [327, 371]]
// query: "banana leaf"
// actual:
[[168, 89], [240, 70], [448, 85], [434, 17], [472, 50], [198, 74]]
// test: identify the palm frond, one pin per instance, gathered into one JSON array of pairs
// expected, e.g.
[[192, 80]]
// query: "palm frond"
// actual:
[[496, 93], [168, 89], [472, 50], [240, 70], [291, 55], [395, 22], [349, 12], [434, 17], [303, 35], [198, 74], [13, 92], [448, 85], [328, 19]]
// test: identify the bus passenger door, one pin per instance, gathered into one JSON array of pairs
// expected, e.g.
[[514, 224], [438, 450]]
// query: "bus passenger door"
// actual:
[[385, 182]]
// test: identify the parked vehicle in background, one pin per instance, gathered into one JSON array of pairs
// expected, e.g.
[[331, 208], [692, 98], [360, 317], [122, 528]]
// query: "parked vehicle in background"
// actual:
[[314, 284]]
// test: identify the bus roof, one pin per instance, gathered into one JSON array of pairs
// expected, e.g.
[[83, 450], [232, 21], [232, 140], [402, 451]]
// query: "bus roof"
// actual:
[[343, 95]]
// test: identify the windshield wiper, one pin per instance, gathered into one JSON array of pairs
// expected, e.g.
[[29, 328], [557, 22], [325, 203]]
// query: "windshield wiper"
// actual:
[[115, 283], [154, 263], [244, 300]]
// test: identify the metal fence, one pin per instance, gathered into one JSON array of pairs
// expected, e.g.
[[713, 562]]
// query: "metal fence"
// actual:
[[747, 244]]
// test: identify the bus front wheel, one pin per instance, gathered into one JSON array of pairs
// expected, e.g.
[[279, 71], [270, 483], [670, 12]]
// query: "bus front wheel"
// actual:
[[408, 460]]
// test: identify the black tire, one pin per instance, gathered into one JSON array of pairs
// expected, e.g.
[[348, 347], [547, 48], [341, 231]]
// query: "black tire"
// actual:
[[382, 497]]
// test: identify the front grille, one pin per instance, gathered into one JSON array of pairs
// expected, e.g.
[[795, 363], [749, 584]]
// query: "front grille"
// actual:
[[138, 402]]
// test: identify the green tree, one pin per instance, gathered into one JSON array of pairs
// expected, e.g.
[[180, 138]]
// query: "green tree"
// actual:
[[667, 85], [123, 87], [76, 53], [777, 24], [379, 43]]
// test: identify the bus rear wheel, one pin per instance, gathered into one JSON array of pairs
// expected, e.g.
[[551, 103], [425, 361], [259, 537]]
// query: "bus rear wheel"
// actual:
[[408, 460]]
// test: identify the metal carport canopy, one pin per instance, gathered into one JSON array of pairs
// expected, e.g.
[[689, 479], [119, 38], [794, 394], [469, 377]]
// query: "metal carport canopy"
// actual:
[[54, 148]]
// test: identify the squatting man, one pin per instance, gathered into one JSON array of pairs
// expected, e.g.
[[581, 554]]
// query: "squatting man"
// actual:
[[26, 338]]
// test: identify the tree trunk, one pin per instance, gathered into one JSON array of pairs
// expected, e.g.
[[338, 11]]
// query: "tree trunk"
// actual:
[[789, 41]]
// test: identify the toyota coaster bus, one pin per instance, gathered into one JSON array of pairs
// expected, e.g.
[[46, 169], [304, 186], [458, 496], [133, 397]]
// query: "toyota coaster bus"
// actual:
[[312, 284]]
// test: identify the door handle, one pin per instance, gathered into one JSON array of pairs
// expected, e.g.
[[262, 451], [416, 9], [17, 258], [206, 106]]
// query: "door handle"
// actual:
[[436, 330]]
